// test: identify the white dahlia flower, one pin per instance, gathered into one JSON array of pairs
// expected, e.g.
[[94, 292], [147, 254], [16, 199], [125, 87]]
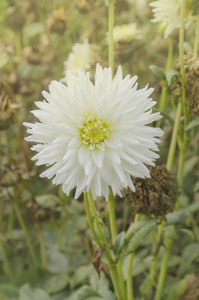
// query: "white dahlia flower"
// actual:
[[82, 57], [168, 12], [126, 33], [95, 136]]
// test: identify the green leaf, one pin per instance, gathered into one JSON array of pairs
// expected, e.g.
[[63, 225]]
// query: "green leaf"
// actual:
[[119, 243], [106, 233], [196, 188], [134, 228], [33, 29], [147, 285], [159, 72], [56, 283], [58, 262], [178, 289], [188, 232], [28, 293], [192, 124], [9, 292], [170, 232], [4, 58], [177, 218], [189, 255], [47, 200], [138, 238], [86, 293], [171, 76]]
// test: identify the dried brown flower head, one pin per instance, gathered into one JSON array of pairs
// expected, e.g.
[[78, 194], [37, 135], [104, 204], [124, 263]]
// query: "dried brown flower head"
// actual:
[[57, 21], [37, 213], [6, 112], [85, 5], [15, 20], [10, 175], [32, 55], [191, 62], [156, 195]]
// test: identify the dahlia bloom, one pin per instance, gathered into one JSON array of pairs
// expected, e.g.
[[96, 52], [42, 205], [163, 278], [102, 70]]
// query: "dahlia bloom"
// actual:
[[126, 33], [168, 12], [82, 57], [93, 136]]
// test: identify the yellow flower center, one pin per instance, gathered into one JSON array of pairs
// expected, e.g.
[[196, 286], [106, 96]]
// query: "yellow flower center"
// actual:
[[94, 132]]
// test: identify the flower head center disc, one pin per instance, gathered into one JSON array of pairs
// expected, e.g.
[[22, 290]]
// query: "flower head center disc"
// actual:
[[94, 132]]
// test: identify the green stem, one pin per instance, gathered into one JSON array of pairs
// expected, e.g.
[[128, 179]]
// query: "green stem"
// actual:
[[113, 226], [6, 263], [114, 275], [60, 235], [168, 242], [91, 212], [172, 147], [195, 49], [130, 294], [97, 222], [163, 271], [110, 29], [1, 210], [182, 69], [42, 246], [26, 235], [163, 99], [91, 221]]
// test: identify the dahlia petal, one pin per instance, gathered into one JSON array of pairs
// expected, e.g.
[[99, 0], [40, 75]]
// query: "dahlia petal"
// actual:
[[95, 135]]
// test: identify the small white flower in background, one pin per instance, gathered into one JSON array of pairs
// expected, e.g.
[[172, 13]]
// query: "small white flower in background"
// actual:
[[95, 136], [168, 12], [82, 57], [126, 33], [139, 4]]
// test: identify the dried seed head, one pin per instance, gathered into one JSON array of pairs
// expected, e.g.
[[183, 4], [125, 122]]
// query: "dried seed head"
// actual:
[[156, 195], [6, 112], [191, 63], [57, 21], [32, 55], [36, 213], [10, 175], [15, 20]]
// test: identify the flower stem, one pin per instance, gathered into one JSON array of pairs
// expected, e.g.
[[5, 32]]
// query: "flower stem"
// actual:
[[91, 212], [97, 221], [195, 49], [110, 30], [130, 294], [172, 147], [113, 226], [26, 235], [42, 246], [6, 263], [90, 220], [163, 99], [168, 242]]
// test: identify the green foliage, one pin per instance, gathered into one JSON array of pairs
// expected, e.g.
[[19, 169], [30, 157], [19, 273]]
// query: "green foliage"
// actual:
[[28, 293], [87, 293], [159, 72], [119, 243], [136, 240], [189, 256]]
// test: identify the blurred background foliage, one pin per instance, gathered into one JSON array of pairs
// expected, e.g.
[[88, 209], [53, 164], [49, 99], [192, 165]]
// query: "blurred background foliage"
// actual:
[[45, 245]]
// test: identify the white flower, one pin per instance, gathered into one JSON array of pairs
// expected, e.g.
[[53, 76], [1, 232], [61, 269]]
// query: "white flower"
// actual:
[[126, 33], [139, 5], [168, 12], [95, 136], [82, 57]]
